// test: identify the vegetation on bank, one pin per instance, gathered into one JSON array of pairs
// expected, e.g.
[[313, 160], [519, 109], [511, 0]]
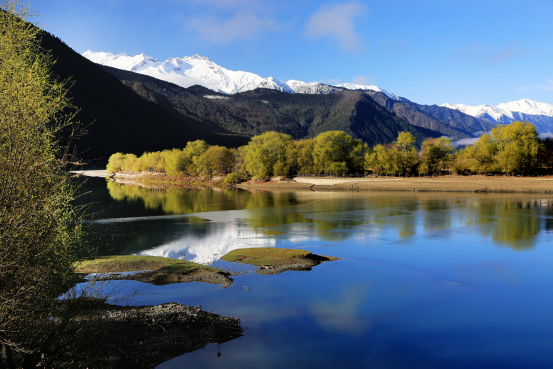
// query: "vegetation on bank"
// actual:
[[265, 256], [509, 149], [132, 263], [40, 231]]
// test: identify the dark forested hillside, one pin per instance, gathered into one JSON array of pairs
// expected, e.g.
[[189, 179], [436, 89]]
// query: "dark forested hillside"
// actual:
[[448, 122], [258, 111], [117, 118]]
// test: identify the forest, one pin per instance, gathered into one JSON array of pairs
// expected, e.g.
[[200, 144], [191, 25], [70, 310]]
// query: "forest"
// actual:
[[514, 149]]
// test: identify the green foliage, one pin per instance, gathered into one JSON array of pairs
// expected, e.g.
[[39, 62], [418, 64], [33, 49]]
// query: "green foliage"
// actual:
[[381, 159], [437, 155], [264, 152], [216, 160], [116, 162], [39, 232], [517, 147], [337, 152], [512, 149]]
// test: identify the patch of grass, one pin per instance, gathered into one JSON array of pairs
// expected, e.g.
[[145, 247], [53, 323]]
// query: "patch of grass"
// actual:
[[132, 263], [266, 256]]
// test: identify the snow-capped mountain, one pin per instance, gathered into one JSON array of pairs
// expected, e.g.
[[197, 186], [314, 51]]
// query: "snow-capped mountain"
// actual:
[[199, 70], [353, 86], [538, 113]]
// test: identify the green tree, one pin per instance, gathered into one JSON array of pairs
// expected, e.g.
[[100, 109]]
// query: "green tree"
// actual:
[[116, 162], [264, 151], [216, 160], [39, 234], [336, 152], [175, 162], [518, 147], [192, 152], [437, 155], [382, 159], [407, 156]]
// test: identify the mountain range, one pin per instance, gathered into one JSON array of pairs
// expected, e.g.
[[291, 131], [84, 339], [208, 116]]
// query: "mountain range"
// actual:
[[538, 113], [126, 109], [200, 70]]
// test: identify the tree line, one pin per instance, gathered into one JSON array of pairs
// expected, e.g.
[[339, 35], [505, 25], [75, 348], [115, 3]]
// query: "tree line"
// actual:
[[509, 149]]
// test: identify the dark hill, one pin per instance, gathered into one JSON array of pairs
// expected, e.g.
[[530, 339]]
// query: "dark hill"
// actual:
[[258, 111], [117, 118]]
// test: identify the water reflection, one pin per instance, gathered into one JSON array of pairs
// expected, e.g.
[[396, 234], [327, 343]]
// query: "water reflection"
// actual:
[[422, 282], [204, 225]]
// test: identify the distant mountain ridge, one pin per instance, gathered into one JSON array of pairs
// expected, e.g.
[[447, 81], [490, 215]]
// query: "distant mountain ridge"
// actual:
[[538, 113], [200, 70], [257, 111]]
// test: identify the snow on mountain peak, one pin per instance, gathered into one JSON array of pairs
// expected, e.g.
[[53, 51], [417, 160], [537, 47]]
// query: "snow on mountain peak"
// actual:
[[538, 113], [353, 86], [200, 70]]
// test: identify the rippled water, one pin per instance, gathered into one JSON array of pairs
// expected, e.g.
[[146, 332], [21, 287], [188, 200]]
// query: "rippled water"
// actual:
[[426, 280]]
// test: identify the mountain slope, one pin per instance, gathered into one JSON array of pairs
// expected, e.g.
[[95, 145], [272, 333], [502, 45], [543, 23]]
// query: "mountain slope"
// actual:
[[117, 118], [261, 110], [446, 121]]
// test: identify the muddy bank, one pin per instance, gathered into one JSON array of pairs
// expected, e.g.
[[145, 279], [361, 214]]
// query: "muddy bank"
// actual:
[[271, 260], [152, 269], [146, 336]]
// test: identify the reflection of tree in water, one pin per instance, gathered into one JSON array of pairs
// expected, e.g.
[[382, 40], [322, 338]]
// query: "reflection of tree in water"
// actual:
[[512, 222], [180, 201]]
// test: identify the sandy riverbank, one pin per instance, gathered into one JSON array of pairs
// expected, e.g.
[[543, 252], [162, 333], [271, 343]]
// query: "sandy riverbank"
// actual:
[[438, 184], [450, 183]]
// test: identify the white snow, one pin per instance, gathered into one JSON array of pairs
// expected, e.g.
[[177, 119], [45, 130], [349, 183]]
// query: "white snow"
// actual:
[[353, 86], [503, 113], [199, 70]]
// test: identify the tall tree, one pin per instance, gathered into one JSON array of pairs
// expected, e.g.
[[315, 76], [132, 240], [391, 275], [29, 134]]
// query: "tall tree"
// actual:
[[518, 147], [38, 230], [264, 151], [336, 152]]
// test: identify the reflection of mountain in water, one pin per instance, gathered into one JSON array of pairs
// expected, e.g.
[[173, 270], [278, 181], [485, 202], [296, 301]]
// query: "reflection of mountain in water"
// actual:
[[207, 249]]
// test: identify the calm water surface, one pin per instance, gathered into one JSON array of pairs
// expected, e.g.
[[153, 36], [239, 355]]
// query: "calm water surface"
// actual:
[[425, 281]]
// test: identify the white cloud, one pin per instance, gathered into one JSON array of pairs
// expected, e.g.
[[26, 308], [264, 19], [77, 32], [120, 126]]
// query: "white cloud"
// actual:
[[486, 54], [546, 86], [363, 80], [242, 26], [465, 141], [336, 21]]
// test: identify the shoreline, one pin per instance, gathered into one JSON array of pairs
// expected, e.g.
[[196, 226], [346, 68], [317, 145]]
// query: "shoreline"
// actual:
[[451, 183]]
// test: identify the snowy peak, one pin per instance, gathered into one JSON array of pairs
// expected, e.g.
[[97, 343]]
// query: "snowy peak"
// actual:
[[538, 113], [312, 87], [353, 86], [200, 70], [529, 107]]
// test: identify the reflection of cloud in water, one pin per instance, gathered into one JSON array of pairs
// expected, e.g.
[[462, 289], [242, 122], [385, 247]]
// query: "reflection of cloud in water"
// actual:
[[339, 311], [208, 249]]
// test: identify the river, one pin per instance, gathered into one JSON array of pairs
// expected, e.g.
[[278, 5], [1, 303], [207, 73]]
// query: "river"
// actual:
[[426, 280]]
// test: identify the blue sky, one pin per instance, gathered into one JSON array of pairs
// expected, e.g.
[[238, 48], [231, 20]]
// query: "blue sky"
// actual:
[[430, 51]]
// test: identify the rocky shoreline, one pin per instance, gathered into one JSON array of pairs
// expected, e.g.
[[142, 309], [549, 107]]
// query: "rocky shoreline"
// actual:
[[146, 336]]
